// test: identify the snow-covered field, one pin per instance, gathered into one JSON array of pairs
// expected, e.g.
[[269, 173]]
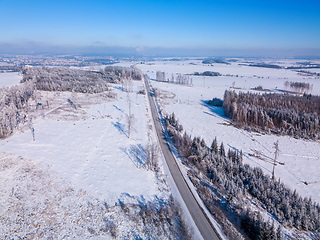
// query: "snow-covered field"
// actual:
[[74, 163], [8, 79], [69, 175], [90, 147], [301, 157]]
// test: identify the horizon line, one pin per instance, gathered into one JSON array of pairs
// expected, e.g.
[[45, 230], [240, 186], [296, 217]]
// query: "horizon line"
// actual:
[[40, 49]]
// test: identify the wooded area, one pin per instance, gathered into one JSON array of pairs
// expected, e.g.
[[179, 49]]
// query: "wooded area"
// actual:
[[14, 107], [293, 115], [14, 101], [76, 80], [179, 79], [228, 188]]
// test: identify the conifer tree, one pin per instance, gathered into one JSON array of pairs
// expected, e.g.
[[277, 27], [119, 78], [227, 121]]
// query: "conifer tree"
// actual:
[[214, 145], [279, 233], [221, 150]]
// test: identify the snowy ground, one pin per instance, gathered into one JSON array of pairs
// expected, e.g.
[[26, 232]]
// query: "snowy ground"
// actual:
[[301, 157], [80, 154], [89, 147], [35, 203], [8, 79]]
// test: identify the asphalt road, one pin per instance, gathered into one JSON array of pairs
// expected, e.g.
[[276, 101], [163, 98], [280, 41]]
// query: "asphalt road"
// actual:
[[202, 222]]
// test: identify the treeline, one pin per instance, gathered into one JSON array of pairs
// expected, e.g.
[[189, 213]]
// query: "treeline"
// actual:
[[11, 68], [300, 87], [179, 79], [308, 73], [68, 79], [305, 67], [227, 187], [296, 116], [124, 73], [14, 107], [265, 65], [214, 60], [207, 73]]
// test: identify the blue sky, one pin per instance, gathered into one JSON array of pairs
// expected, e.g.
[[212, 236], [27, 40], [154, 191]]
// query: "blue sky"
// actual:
[[210, 24]]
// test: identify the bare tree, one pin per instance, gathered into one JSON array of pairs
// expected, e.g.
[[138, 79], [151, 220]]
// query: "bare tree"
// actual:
[[130, 116], [151, 156], [276, 154], [160, 76]]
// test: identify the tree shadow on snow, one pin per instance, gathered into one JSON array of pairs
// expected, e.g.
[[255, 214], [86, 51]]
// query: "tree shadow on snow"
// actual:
[[120, 127], [214, 111], [137, 154], [119, 109], [118, 88]]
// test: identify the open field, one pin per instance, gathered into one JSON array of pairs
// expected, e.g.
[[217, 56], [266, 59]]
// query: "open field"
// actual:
[[89, 145], [75, 170], [82, 147], [8, 79], [301, 157]]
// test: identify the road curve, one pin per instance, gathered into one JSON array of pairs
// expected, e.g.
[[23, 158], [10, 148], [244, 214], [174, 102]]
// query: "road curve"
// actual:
[[201, 220]]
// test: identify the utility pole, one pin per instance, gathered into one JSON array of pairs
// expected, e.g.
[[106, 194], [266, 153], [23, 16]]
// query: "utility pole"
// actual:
[[129, 116], [276, 153]]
